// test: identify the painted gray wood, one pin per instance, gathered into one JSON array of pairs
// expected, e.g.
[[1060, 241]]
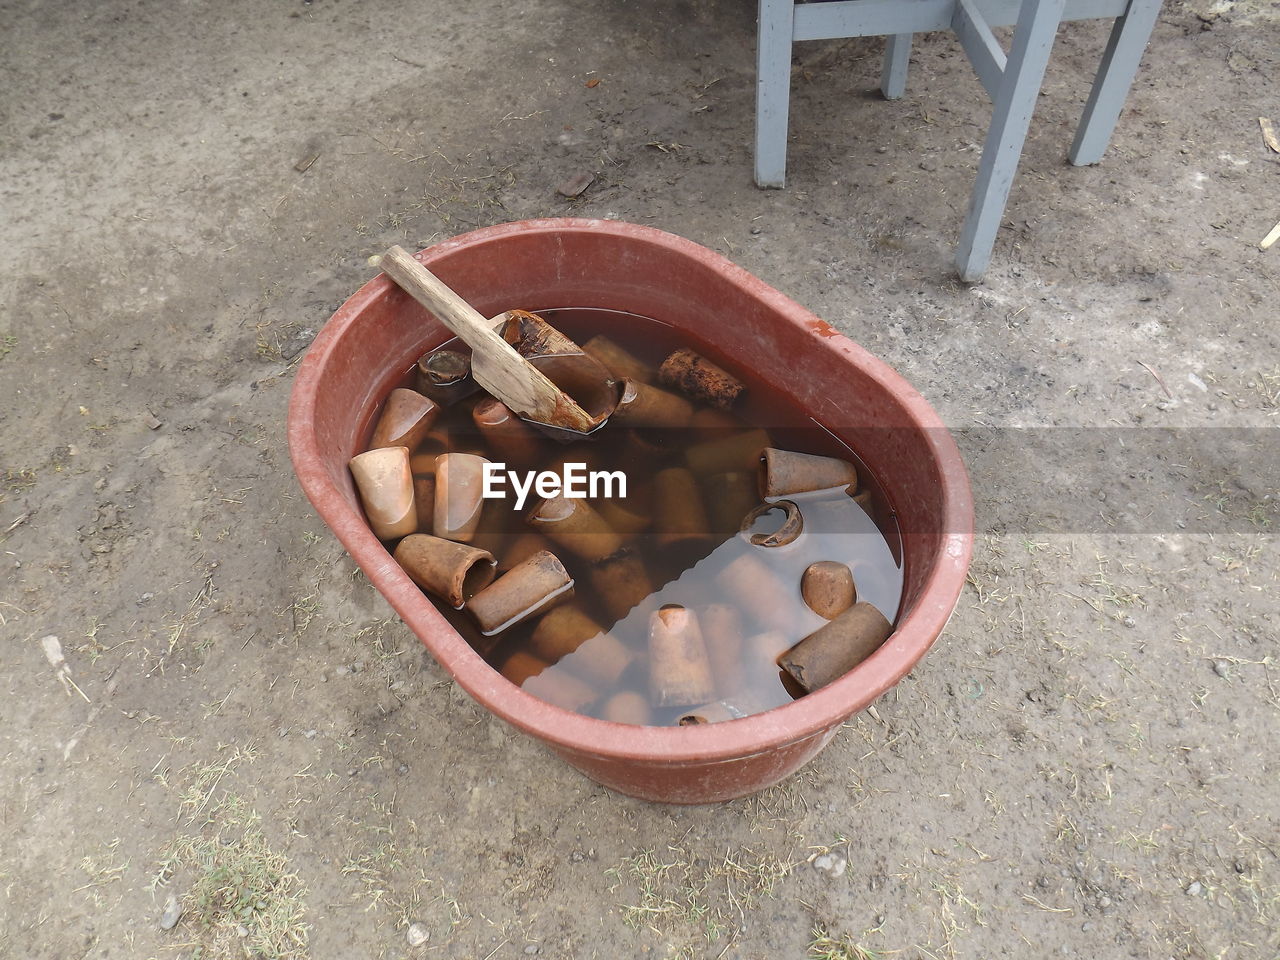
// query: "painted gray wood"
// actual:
[[1015, 101], [980, 45], [1115, 75], [834, 19], [897, 57], [773, 90]]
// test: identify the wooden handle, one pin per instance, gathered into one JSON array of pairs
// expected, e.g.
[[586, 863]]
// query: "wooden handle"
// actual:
[[454, 312], [497, 367]]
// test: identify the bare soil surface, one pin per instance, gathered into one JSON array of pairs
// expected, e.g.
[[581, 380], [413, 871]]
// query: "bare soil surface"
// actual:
[[231, 722]]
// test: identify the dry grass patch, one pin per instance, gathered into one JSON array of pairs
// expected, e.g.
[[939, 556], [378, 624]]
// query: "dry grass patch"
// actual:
[[680, 893], [241, 898]]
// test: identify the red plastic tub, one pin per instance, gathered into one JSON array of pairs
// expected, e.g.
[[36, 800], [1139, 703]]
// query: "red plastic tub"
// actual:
[[379, 332]]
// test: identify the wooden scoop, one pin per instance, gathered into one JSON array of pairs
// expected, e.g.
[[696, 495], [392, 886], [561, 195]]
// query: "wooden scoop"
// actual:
[[495, 364]]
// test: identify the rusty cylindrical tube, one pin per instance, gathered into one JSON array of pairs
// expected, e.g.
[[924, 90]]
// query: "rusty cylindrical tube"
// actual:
[[459, 495], [679, 671], [701, 379], [561, 631], [624, 517], [541, 679], [722, 633], [627, 707], [740, 450], [710, 423], [507, 435], [621, 582], [761, 595], [423, 459], [424, 500], [520, 665], [716, 712], [787, 472], [576, 526], [594, 654], [640, 405], [386, 489], [533, 586], [454, 572], [618, 361], [832, 651], [678, 514], [649, 444], [407, 417], [521, 548], [729, 498], [445, 376], [564, 689]]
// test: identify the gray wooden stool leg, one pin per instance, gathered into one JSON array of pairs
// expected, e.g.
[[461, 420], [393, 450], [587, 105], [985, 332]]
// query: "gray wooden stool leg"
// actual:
[[773, 90], [897, 55], [1115, 75], [1015, 101]]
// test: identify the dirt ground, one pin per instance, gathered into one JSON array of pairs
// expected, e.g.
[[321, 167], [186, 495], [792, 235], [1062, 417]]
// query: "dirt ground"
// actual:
[[232, 723]]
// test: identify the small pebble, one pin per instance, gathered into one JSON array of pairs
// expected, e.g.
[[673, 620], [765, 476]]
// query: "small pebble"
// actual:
[[531, 949], [1239, 867], [172, 913], [1086, 926], [576, 857], [1104, 902], [310, 734], [241, 930], [882, 149], [403, 768], [831, 863], [1220, 667], [1195, 889], [576, 185], [417, 934]]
